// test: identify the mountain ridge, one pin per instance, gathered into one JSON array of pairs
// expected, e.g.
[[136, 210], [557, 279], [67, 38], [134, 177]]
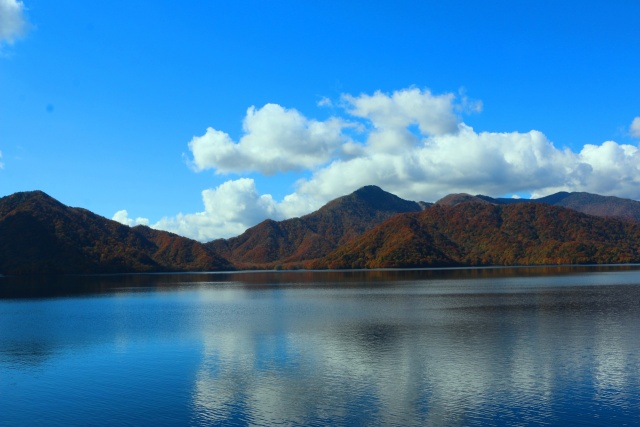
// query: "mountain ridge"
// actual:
[[483, 234], [292, 241], [40, 235], [591, 204]]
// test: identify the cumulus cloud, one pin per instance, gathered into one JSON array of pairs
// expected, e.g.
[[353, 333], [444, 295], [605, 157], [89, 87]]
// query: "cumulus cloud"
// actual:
[[609, 168], [465, 161], [433, 114], [487, 163], [409, 142], [123, 218], [275, 140], [634, 129], [229, 210], [12, 20]]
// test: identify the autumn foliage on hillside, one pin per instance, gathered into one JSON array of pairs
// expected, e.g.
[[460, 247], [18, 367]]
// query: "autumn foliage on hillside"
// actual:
[[41, 235], [369, 228], [291, 242], [592, 204], [477, 234]]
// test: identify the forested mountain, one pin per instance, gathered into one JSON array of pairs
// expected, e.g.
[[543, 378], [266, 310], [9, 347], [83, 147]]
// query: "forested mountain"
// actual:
[[369, 228], [289, 242], [475, 233], [38, 234], [457, 198], [294, 242], [592, 204]]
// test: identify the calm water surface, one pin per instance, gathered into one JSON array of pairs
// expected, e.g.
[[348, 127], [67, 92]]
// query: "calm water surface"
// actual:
[[531, 346]]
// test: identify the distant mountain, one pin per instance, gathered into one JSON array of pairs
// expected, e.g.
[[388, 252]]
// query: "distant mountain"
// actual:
[[592, 204], [312, 236], [476, 234], [456, 199], [40, 235]]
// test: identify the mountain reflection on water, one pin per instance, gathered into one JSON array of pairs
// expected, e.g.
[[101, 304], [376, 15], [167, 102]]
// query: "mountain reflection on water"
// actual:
[[440, 347], [69, 285]]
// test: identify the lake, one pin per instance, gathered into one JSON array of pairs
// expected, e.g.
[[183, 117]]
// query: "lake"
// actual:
[[468, 347]]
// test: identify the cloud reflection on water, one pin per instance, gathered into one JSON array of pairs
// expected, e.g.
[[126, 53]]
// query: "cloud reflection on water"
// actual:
[[426, 359], [459, 347]]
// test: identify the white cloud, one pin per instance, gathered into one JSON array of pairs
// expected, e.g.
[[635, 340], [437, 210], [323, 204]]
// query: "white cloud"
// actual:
[[410, 142], [123, 218], [325, 102], [433, 114], [635, 128], [609, 168], [229, 209], [275, 140], [12, 20], [1, 164]]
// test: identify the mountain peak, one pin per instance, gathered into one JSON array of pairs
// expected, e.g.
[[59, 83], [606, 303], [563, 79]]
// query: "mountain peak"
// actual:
[[372, 197], [312, 236], [556, 198], [28, 200], [370, 190], [40, 235], [457, 198], [23, 196]]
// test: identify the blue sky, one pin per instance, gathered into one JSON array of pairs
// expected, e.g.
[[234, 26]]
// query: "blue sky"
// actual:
[[204, 118]]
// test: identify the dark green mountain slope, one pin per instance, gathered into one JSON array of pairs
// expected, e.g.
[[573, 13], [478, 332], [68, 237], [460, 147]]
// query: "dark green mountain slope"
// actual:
[[40, 235], [314, 235], [475, 234]]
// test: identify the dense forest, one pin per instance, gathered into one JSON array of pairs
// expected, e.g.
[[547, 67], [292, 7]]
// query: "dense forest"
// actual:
[[40, 235], [369, 228], [481, 234]]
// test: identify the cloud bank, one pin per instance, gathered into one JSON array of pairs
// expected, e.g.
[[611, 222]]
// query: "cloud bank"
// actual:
[[411, 142], [634, 129], [12, 20]]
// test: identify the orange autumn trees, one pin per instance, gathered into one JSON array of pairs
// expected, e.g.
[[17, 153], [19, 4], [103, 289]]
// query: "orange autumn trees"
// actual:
[[479, 234]]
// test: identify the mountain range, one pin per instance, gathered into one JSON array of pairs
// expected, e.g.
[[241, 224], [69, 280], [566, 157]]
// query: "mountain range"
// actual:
[[485, 234], [592, 204], [369, 228]]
